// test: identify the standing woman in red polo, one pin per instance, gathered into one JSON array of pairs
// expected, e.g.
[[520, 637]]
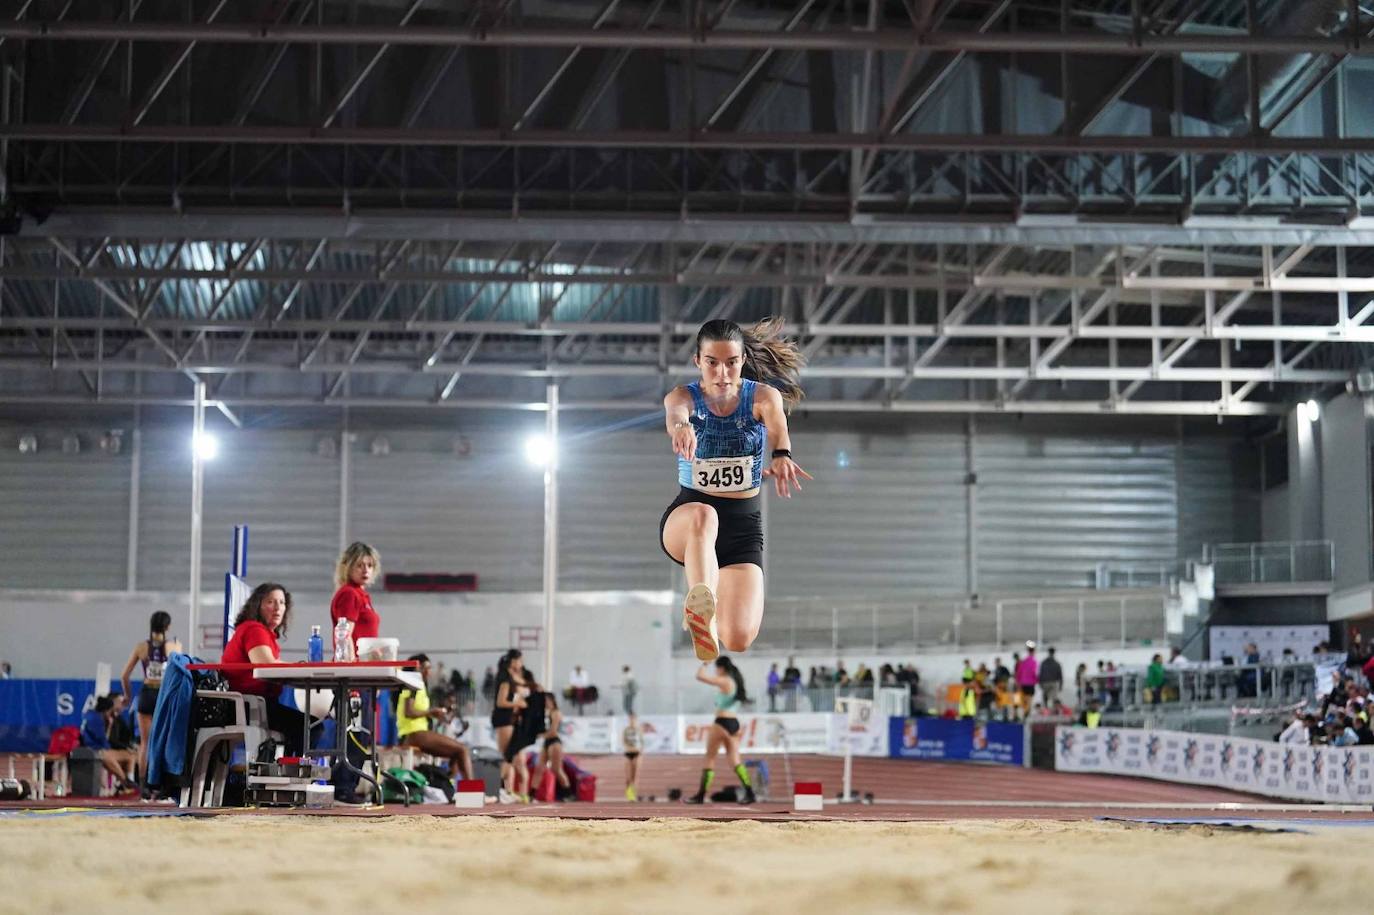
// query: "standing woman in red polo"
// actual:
[[358, 567], [261, 621]]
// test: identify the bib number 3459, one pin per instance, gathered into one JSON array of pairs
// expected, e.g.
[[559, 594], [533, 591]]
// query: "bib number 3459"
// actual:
[[734, 474]]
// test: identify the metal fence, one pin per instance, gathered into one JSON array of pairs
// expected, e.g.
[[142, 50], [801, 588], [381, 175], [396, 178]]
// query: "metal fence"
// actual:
[[1215, 685], [1274, 562], [1090, 620]]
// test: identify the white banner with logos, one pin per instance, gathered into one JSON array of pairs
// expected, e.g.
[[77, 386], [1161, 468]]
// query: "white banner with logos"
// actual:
[[1230, 641], [1343, 775], [796, 732]]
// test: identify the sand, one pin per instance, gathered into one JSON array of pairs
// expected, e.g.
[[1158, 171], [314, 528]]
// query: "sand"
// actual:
[[477, 864]]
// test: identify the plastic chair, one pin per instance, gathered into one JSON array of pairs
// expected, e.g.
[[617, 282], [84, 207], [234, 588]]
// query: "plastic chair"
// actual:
[[207, 774]]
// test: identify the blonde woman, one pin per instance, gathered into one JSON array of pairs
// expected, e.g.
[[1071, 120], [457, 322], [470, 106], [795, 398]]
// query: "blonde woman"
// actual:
[[357, 568]]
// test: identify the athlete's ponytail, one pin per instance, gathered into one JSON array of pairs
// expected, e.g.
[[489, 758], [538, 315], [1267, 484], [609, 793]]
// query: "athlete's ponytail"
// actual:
[[768, 355], [728, 666]]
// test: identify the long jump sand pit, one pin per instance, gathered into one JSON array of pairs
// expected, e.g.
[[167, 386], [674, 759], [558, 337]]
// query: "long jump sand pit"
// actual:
[[255, 864]]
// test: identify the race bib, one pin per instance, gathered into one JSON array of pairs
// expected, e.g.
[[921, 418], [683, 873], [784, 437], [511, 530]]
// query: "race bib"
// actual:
[[727, 474], [154, 671]]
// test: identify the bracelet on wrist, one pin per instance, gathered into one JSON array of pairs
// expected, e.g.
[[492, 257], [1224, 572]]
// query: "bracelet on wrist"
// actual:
[[781, 452]]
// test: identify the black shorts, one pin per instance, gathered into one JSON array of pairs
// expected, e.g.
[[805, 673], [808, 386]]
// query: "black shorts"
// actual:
[[730, 725], [147, 699], [739, 537], [634, 755], [1028, 691], [516, 747], [502, 717], [550, 741]]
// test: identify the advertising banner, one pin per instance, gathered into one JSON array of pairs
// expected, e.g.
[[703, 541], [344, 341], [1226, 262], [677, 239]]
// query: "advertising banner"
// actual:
[[1334, 774], [658, 733], [30, 710], [961, 740], [796, 733], [587, 735]]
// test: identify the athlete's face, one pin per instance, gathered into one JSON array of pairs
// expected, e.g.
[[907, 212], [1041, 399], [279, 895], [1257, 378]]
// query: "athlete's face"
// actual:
[[363, 571], [721, 362], [273, 608]]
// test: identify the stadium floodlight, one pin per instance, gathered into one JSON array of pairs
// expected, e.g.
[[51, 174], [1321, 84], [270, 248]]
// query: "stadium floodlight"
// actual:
[[205, 446], [1310, 411], [539, 450]]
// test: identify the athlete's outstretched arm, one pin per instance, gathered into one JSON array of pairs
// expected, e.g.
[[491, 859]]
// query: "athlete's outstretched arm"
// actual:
[[786, 473], [677, 410]]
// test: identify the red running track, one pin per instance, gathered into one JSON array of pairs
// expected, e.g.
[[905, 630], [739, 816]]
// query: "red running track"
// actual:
[[904, 791]]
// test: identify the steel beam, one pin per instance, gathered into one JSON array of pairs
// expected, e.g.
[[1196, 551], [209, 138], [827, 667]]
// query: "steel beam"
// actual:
[[570, 35]]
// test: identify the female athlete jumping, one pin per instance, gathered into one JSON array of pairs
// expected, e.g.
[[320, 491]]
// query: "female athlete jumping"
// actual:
[[721, 425]]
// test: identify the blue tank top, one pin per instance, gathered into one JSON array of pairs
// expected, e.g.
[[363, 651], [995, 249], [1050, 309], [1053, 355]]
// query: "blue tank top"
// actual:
[[721, 442]]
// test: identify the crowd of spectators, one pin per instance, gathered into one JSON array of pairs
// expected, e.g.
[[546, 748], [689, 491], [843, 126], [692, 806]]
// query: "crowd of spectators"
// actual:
[[788, 691], [1341, 717]]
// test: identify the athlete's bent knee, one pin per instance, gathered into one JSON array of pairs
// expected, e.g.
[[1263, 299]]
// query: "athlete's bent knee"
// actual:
[[703, 518], [735, 637]]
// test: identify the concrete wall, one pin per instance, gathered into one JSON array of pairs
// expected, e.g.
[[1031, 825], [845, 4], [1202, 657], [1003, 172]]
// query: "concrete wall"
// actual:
[[1345, 487]]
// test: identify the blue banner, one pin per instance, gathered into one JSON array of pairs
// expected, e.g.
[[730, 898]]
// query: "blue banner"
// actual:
[[30, 710], [957, 739]]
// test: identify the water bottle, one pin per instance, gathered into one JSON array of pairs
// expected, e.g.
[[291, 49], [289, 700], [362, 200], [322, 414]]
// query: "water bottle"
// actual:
[[341, 640], [316, 645]]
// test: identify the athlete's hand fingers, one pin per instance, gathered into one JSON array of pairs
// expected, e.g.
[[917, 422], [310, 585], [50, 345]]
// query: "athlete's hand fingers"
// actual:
[[801, 472]]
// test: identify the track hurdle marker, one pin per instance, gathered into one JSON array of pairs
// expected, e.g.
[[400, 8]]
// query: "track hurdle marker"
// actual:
[[807, 796], [472, 792]]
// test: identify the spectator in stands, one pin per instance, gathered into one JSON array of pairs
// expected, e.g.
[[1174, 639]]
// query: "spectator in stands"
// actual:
[[774, 679], [1339, 733], [887, 675], [5, 670], [629, 689], [489, 685], [1297, 731], [791, 684], [1000, 672], [1051, 677], [580, 688], [413, 716], [1154, 680], [262, 620], [95, 736], [968, 696], [1176, 658], [1363, 731], [1028, 675], [1081, 684], [1112, 685], [967, 673], [1091, 716]]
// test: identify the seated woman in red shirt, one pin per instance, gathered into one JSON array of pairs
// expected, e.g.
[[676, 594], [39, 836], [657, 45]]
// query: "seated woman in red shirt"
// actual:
[[263, 618]]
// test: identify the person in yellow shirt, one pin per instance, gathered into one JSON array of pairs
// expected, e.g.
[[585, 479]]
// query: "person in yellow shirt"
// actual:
[[413, 717]]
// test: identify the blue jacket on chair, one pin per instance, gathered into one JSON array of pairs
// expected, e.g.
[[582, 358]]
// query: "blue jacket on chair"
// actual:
[[171, 719]]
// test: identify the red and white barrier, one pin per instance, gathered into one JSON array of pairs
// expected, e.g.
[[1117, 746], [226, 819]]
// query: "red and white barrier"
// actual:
[[471, 793], [807, 796]]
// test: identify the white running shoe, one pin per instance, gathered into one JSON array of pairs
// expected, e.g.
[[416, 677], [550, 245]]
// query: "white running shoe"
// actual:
[[699, 619]]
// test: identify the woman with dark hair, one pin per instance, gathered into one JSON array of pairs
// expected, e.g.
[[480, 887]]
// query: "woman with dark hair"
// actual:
[[724, 731], [413, 716], [152, 653], [263, 619], [721, 425], [511, 690], [531, 723]]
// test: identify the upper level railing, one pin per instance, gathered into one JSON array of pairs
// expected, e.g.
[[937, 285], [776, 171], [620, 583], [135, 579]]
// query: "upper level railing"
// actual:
[[1272, 562], [1094, 618]]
